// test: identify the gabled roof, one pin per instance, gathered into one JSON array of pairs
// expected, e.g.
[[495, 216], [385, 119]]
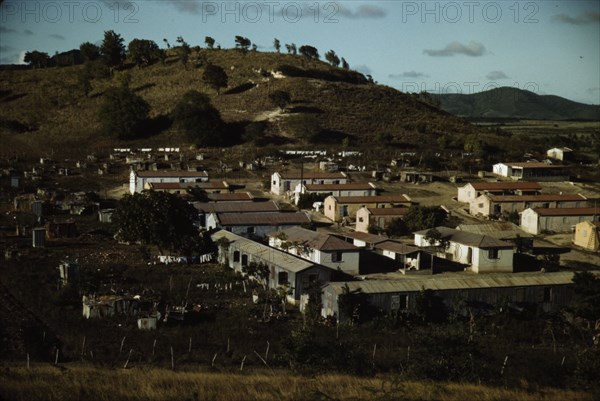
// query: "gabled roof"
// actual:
[[236, 207], [231, 197], [469, 239], [315, 240], [366, 237], [387, 211], [567, 211], [506, 185], [540, 165], [312, 175], [265, 253], [171, 174], [397, 247], [262, 219], [372, 199], [351, 186], [185, 185], [498, 229], [537, 198]]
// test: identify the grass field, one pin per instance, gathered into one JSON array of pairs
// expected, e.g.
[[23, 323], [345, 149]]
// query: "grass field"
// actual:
[[80, 382]]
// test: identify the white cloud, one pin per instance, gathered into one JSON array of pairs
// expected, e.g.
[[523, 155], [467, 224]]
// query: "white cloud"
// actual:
[[496, 75], [473, 49]]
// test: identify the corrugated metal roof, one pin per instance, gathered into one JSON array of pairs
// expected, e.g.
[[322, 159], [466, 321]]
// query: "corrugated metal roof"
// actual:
[[388, 211], [567, 211], [372, 199], [536, 198], [470, 239], [455, 281], [185, 185], [496, 229], [316, 240], [397, 247], [263, 219], [265, 253], [505, 185], [172, 174], [312, 175], [366, 237], [351, 186], [540, 165], [237, 207], [235, 196]]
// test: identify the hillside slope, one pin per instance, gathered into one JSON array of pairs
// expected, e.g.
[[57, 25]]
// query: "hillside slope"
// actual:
[[515, 103], [47, 107]]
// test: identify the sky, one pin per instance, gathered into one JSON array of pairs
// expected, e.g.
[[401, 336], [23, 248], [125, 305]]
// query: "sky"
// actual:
[[547, 47]]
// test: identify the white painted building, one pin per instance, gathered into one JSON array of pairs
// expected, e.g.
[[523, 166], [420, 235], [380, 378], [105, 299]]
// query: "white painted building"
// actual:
[[285, 182], [346, 189], [139, 179], [472, 190], [535, 171], [482, 253], [539, 220], [563, 153]]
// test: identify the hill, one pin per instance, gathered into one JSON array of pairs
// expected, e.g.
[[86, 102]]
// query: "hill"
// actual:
[[48, 108], [515, 103]]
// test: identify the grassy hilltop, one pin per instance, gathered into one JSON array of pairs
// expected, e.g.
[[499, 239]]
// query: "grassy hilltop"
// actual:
[[44, 108]]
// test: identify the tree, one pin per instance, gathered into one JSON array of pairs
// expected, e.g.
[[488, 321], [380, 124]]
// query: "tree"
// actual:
[[184, 51], [309, 52], [37, 59], [167, 43], [199, 119], [259, 271], [345, 64], [431, 307], [123, 113], [291, 48], [156, 218], [424, 217], [255, 132], [242, 43], [85, 80], [586, 302], [215, 77], [112, 49], [210, 42], [144, 52], [396, 227], [277, 45], [332, 58], [280, 98], [89, 52]]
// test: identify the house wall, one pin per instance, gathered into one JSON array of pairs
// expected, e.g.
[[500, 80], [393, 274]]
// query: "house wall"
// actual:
[[587, 236], [333, 210], [138, 184], [485, 206], [535, 224], [548, 298], [362, 220], [466, 193], [410, 261], [279, 185], [256, 232], [502, 169]]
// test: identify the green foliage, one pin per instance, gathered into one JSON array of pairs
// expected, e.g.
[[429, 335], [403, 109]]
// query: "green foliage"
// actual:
[[37, 59], [291, 48], [242, 43], [210, 42], [309, 52], [157, 218], [144, 52], [514, 217], [354, 307], [424, 217], [215, 77], [260, 271], [586, 302], [123, 114], [332, 58], [277, 45], [183, 50], [280, 98], [89, 51], [199, 119], [112, 49], [395, 227], [345, 64], [430, 308], [255, 132]]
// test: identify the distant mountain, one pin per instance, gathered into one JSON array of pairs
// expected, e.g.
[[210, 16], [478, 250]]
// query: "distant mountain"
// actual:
[[509, 102]]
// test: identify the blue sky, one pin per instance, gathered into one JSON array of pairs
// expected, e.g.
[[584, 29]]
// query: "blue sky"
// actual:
[[547, 47]]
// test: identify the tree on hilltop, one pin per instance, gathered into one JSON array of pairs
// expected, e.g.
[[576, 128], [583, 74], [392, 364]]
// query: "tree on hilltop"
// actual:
[[199, 119], [112, 49], [215, 77]]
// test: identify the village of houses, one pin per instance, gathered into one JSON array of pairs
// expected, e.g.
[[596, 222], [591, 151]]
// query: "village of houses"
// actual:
[[512, 221]]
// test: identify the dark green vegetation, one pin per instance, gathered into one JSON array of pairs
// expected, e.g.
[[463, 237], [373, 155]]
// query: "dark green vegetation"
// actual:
[[513, 103]]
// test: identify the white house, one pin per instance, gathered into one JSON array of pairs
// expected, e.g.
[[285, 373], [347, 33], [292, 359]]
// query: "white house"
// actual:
[[531, 171], [139, 179], [258, 225], [282, 183], [408, 256], [378, 217], [483, 254], [346, 189], [208, 212], [563, 153], [538, 220], [325, 249], [498, 205], [472, 190]]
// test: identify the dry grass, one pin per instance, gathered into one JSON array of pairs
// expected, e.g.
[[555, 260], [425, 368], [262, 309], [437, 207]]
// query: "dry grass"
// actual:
[[43, 382]]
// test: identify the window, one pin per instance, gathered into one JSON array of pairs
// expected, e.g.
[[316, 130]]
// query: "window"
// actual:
[[493, 254], [236, 256], [399, 302], [336, 257], [244, 260], [282, 278], [480, 205], [361, 220], [250, 230], [547, 294], [274, 182]]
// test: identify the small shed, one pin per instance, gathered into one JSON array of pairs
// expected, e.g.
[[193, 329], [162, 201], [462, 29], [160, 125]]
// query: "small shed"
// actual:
[[69, 273], [416, 177], [587, 235], [38, 237], [147, 323]]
